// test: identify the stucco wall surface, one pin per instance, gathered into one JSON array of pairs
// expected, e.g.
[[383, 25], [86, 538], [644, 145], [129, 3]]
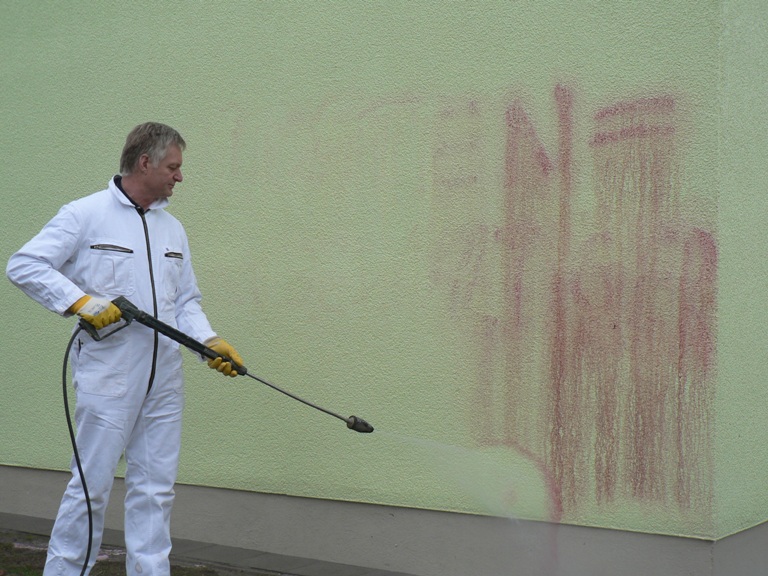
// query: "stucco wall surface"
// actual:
[[494, 230], [742, 451]]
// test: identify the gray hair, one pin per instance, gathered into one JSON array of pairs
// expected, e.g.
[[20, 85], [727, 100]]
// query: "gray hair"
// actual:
[[152, 139]]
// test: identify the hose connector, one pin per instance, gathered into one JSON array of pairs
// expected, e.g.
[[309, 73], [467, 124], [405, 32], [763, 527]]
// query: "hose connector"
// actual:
[[359, 425]]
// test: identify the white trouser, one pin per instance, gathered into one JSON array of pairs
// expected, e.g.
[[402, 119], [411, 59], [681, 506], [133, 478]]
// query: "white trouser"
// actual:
[[147, 428]]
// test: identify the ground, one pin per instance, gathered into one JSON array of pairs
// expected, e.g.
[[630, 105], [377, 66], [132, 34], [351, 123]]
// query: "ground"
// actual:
[[24, 555]]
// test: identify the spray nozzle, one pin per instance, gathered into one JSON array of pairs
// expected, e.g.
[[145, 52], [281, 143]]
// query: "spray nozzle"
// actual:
[[358, 425]]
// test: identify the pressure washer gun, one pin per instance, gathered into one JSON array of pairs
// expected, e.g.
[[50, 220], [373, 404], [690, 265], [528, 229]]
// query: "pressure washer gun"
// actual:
[[130, 313]]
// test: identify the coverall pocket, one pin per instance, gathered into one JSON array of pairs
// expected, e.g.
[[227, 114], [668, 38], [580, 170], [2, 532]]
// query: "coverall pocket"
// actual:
[[101, 367], [172, 263], [111, 268]]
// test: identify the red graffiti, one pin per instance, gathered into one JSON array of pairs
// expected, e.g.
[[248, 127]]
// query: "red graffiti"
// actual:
[[605, 346]]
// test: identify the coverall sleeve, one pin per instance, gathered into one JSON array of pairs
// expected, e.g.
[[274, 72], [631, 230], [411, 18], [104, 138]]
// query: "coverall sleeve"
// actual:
[[189, 312], [35, 268]]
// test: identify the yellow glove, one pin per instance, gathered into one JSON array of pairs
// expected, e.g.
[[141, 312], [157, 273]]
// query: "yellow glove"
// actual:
[[98, 311], [220, 346]]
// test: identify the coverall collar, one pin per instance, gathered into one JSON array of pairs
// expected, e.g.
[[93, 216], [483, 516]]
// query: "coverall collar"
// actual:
[[123, 198]]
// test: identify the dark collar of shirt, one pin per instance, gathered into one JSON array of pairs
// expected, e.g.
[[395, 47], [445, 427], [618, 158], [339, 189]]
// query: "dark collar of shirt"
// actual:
[[119, 183]]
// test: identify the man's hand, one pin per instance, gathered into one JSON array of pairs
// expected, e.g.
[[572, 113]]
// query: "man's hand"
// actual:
[[98, 311], [221, 346]]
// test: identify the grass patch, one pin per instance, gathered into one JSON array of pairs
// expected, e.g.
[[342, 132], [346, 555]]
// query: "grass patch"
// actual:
[[20, 561]]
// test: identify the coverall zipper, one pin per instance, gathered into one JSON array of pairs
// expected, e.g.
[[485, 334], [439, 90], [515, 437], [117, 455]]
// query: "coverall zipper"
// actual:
[[141, 213]]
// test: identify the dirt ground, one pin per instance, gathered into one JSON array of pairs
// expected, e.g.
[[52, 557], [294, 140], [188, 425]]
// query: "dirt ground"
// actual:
[[24, 555]]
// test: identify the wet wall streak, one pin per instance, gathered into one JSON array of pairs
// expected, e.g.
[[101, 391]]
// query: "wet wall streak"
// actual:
[[469, 248], [566, 455], [661, 294], [528, 246], [597, 362]]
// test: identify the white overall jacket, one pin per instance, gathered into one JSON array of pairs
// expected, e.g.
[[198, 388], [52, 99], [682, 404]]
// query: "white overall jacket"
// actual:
[[103, 245]]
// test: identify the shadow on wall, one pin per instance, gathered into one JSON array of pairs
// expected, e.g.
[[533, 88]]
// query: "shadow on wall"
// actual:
[[599, 366]]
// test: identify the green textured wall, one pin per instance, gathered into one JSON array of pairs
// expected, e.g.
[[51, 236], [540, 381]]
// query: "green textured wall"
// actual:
[[742, 450], [411, 211]]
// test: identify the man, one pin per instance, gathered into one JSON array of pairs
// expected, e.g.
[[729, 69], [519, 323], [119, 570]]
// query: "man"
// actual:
[[121, 241]]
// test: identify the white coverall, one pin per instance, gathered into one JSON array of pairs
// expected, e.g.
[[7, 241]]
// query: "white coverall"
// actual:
[[129, 386]]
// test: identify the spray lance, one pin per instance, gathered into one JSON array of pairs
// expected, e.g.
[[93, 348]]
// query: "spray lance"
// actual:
[[130, 313]]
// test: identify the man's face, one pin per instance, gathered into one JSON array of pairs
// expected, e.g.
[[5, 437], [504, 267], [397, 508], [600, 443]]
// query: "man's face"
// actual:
[[161, 179]]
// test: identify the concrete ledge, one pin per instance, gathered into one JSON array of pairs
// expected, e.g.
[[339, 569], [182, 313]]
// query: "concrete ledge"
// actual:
[[310, 537]]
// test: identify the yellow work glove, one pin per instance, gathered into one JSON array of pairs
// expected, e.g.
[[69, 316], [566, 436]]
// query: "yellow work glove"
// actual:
[[221, 346], [98, 311]]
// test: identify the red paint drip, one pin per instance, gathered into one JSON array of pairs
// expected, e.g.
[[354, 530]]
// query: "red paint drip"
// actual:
[[696, 334]]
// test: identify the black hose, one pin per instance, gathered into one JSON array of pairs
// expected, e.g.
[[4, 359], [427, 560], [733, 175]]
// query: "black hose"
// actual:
[[77, 453]]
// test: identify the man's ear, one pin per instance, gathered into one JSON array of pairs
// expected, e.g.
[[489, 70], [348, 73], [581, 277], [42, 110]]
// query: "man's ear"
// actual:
[[143, 163]]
